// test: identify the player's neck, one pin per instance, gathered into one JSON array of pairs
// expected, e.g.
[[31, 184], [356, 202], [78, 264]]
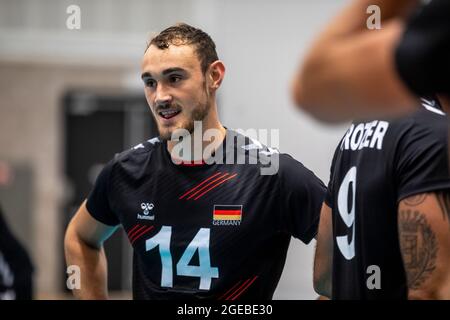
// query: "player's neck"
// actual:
[[199, 145], [445, 103]]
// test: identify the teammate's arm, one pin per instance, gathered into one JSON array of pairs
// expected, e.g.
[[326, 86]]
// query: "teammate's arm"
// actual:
[[350, 70], [424, 235], [323, 260], [83, 246]]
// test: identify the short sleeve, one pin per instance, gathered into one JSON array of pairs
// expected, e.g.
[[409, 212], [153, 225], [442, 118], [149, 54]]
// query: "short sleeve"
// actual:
[[422, 55], [329, 199], [98, 203], [422, 164], [302, 194]]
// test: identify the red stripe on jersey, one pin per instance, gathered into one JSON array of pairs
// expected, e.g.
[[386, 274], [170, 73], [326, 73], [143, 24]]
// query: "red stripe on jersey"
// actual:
[[229, 290], [132, 229], [215, 186], [141, 234], [237, 290], [244, 289], [207, 185], [201, 183], [131, 235], [227, 212]]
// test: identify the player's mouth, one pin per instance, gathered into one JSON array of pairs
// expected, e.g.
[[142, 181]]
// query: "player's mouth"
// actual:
[[169, 113]]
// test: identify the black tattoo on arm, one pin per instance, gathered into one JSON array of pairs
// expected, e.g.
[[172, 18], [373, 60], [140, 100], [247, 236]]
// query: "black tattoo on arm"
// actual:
[[415, 200], [444, 202], [419, 247]]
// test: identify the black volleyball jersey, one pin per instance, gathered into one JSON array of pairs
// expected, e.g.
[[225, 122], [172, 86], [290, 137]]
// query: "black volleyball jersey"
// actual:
[[209, 231], [377, 164]]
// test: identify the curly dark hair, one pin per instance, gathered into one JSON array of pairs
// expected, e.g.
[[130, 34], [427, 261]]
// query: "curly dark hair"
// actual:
[[184, 34]]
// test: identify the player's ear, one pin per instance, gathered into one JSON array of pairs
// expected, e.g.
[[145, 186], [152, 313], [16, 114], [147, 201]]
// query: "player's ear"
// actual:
[[215, 74]]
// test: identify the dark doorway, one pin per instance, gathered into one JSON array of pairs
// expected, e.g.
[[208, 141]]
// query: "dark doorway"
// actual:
[[97, 127]]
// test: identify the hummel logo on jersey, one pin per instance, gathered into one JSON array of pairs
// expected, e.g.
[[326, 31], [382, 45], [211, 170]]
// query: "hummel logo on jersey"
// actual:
[[227, 215], [147, 207]]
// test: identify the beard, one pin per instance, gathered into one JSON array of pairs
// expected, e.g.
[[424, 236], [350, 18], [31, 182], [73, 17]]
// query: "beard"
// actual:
[[199, 113]]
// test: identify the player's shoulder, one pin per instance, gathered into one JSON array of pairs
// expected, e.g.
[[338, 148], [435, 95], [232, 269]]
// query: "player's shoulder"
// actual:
[[429, 122], [265, 160], [430, 114], [291, 168], [288, 163], [137, 155], [247, 149]]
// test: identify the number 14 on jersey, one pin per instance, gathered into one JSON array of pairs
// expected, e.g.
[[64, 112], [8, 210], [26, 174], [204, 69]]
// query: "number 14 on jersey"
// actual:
[[200, 243]]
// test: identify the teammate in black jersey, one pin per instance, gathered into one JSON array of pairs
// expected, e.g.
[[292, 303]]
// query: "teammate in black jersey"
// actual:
[[200, 229], [385, 224], [16, 269]]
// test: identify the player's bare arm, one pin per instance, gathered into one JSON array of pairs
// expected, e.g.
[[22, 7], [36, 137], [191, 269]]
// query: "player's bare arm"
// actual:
[[350, 70], [83, 246], [424, 232], [323, 259]]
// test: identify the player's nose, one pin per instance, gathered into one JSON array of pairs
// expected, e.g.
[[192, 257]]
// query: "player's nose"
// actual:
[[162, 97]]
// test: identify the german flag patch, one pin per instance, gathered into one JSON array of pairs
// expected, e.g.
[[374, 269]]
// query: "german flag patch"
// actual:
[[226, 215]]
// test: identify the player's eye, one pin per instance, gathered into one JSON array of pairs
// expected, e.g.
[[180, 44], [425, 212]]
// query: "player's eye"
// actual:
[[150, 83], [174, 78]]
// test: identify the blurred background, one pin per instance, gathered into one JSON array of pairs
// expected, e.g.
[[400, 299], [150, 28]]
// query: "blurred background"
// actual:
[[72, 98]]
